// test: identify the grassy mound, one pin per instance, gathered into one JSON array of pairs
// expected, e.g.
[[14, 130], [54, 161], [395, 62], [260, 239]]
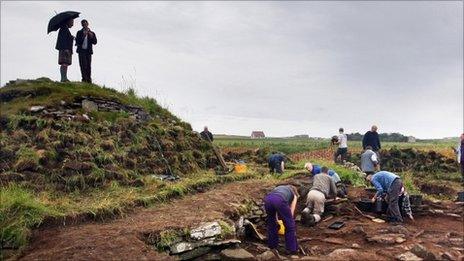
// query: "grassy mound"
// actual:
[[60, 158]]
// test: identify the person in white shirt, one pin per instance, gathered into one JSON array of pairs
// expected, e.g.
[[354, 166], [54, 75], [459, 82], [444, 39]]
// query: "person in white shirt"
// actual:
[[342, 150]]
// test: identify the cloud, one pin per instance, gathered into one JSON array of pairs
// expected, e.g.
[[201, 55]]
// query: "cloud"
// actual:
[[283, 67]]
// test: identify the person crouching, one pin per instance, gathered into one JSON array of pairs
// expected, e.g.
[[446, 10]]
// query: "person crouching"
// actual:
[[281, 201], [390, 184], [322, 189]]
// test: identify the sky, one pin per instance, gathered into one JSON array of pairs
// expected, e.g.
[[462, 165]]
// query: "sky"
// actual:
[[285, 68]]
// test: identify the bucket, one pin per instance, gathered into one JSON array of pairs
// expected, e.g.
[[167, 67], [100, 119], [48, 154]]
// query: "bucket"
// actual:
[[415, 200], [378, 205], [281, 227], [240, 168]]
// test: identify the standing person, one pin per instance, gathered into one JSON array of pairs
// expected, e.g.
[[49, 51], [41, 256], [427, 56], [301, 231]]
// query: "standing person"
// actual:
[[276, 162], [322, 189], [206, 134], [369, 161], [371, 138], [459, 150], [281, 201], [390, 184], [342, 146], [64, 45], [85, 39]]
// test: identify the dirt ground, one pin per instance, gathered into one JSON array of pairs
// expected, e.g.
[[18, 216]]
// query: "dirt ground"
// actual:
[[122, 238]]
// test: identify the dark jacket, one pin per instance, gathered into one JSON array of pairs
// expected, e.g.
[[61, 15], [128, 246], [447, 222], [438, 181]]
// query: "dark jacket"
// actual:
[[64, 40], [90, 42], [371, 139], [207, 135]]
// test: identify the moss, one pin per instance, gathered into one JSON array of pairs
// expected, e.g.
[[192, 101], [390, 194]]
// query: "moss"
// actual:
[[226, 229]]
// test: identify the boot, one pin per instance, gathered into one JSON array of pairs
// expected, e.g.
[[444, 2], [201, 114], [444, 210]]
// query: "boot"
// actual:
[[64, 72]]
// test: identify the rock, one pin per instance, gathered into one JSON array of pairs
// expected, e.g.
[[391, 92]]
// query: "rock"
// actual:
[[268, 255], [260, 247], [209, 257], [334, 240], [399, 229], [358, 230], [387, 238], [343, 254], [62, 103], [36, 108], [408, 256], [447, 256], [182, 247], [207, 230], [236, 254], [197, 252], [422, 252], [354, 245], [89, 106]]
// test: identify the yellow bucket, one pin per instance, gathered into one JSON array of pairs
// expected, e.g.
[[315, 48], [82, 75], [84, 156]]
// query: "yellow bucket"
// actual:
[[240, 168], [281, 227]]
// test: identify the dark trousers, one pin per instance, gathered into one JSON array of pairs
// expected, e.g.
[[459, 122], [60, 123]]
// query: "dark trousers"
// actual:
[[393, 211], [341, 152], [85, 61], [274, 203]]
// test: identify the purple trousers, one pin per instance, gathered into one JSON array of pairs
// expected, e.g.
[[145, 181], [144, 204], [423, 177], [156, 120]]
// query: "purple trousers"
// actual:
[[274, 203]]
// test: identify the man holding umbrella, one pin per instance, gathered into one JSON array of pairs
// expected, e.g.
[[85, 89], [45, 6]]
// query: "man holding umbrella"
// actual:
[[64, 43]]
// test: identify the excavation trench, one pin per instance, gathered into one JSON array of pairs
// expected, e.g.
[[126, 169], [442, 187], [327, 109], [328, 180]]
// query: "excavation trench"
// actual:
[[359, 238]]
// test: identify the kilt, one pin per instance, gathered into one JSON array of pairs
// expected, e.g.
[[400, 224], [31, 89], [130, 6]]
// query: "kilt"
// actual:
[[64, 57]]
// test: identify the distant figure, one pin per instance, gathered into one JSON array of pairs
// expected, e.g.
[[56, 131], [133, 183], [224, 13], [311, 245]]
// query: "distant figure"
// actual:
[[342, 146], [281, 202], [371, 138], [276, 162], [315, 169], [206, 135], [369, 161], [85, 39], [390, 185], [64, 45], [459, 150], [322, 189]]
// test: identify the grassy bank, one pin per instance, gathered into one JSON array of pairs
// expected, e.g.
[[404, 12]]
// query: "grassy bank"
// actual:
[[22, 209]]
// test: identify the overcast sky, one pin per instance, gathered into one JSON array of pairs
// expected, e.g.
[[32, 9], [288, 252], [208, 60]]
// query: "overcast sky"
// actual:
[[282, 67]]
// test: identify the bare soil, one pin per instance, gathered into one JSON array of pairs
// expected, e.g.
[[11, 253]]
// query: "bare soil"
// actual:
[[122, 238]]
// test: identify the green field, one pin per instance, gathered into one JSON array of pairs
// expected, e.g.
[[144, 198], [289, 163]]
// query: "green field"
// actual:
[[294, 145]]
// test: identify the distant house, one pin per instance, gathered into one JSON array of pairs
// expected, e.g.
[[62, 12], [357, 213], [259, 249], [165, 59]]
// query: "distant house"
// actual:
[[257, 135], [411, 139]]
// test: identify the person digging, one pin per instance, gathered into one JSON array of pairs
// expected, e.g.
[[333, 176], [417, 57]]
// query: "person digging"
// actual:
[[315, 169], [322, 189], [281, 202], [389, 186]]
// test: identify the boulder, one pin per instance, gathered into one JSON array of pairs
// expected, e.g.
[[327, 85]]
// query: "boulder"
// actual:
[[387, 238], [89, 106], [268, 255], [197, 252], [206, 230], [236, 254], [408, 256], [182, 247], [343, 254], [36, 108], [422, 252]]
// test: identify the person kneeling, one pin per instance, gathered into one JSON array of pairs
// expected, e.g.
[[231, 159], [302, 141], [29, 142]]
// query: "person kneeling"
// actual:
[[322, 189], [281, 201]]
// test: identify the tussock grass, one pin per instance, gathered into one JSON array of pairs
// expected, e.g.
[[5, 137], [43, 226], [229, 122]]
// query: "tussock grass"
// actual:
[[19, 211]]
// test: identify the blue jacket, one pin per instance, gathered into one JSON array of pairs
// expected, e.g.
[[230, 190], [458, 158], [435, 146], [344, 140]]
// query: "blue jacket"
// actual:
[[276, 159], [382, 181], [317, 170]]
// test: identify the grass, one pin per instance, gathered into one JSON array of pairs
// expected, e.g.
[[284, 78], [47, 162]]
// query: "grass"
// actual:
[[19, 211]]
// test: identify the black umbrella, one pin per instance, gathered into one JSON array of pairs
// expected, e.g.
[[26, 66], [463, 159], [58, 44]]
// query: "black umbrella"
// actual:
[[57, 21]]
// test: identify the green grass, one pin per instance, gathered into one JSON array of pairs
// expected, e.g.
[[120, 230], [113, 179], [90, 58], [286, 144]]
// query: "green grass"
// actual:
[[20, 211]]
